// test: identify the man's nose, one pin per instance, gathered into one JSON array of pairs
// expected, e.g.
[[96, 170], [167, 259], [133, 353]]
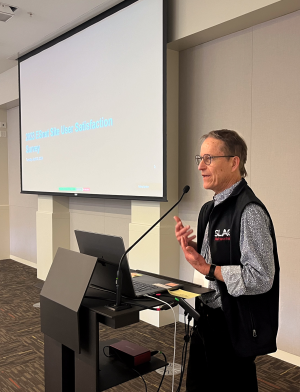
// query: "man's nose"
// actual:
[[201, 165]]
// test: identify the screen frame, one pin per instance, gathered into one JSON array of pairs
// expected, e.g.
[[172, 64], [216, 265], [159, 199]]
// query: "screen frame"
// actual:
[[65, 36]]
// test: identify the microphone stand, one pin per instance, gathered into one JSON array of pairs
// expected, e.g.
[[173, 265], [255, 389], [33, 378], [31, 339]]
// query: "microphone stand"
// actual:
[[118, 306], [188, 309]]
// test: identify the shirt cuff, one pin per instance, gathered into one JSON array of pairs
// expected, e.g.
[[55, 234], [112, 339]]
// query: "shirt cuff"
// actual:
[[232, 275]]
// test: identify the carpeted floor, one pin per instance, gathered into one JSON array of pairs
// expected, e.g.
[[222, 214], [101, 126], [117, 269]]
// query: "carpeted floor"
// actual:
[[21, 342]]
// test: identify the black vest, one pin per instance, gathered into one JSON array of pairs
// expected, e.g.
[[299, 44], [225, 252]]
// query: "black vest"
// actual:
[[252, 319]]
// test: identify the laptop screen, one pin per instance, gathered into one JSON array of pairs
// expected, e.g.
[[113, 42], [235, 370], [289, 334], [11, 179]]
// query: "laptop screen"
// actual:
[[109, 250]]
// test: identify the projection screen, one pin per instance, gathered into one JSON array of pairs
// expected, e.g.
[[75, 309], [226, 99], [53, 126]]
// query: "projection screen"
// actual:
[[93, 108]]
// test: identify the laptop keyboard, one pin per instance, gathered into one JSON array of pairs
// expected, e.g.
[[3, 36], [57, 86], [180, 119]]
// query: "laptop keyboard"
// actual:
[[140, 287]]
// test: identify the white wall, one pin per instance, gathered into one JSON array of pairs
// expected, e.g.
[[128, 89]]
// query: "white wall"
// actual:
[[192, 16], [249, 81], [99, 216], [8, 96], [215, 92], [193, 22], [4, 203], [9, 86], [275, 133], [22, 208]]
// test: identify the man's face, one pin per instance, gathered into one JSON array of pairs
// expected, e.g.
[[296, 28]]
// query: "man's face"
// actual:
[[220, 174]]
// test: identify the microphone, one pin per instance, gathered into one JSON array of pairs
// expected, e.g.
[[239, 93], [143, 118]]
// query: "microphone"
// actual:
[[185, 189], [118, 306]]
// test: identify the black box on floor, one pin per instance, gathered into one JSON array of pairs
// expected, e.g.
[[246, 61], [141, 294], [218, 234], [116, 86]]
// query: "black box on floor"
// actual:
[[130, 353]]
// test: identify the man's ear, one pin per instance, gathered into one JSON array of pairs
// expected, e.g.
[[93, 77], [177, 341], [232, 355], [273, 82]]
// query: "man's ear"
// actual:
[[235, 163]]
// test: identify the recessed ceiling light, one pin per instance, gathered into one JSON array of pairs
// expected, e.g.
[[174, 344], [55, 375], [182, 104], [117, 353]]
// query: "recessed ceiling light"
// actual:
[[6, 12], [4, 16]]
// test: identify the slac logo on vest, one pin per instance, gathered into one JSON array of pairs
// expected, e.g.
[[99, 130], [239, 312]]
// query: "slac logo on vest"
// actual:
[[222, 236]]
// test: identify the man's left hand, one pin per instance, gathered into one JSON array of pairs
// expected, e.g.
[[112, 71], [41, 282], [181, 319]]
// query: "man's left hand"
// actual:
[[194, 258]]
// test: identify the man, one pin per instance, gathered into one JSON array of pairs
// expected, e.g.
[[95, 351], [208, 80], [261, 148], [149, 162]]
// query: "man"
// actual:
[[236, 250]]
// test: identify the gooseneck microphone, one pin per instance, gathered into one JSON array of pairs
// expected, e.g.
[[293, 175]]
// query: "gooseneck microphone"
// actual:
[[118, 306]]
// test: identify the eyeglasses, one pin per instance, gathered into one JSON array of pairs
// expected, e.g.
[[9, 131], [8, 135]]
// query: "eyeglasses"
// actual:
[[207, 158]]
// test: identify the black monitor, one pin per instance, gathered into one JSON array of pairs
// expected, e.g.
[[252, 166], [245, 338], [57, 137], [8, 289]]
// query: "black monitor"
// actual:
[[109, 250]]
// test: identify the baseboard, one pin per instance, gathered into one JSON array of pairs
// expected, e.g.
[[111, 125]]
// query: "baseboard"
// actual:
[[23, 261], [181, 318], [282, 355], [287, 357]]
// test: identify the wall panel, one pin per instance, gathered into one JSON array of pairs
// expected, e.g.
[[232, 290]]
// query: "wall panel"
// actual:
[[22, 207], [249, 81], [276, 119], [215, 93], [289, 315], [99, 216]]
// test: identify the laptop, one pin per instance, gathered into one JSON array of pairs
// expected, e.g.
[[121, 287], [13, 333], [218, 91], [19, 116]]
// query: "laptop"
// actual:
[[109, 250]]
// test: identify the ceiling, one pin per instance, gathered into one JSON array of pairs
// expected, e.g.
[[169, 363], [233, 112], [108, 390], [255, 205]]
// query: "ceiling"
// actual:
[[35, 22]]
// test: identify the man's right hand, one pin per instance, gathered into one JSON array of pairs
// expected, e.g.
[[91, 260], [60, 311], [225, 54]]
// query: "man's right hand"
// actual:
[[185, 232]]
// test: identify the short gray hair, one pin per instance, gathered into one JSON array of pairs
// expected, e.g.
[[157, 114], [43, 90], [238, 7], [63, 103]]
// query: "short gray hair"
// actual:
[[234, 144]]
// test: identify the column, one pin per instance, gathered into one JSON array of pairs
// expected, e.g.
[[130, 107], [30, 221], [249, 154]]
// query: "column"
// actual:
[[159, 251], [4, 203], [53, 230]]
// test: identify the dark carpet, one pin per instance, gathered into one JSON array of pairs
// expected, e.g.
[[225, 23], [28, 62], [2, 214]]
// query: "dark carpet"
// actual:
[[21, 342]]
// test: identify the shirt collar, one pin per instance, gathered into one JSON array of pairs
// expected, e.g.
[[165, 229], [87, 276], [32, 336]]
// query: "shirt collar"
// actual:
[[225, 194]]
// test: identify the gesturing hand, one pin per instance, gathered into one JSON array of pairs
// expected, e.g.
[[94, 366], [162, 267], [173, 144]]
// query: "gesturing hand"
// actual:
[[183, 232], [194, 258]]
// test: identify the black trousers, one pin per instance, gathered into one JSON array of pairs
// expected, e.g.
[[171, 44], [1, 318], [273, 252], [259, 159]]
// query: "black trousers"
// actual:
[[213, 365]]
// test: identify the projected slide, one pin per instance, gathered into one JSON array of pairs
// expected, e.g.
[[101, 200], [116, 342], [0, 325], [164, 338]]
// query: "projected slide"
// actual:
[[92, 109]]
